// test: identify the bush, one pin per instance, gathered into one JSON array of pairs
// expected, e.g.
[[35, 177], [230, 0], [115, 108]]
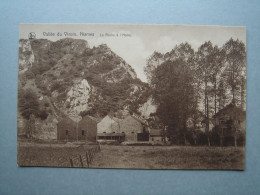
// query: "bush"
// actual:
[[43, 68], [29, 74], [46, 104], [62, 96], [43, 114], [88, 52], [28, 103], [55, 86]]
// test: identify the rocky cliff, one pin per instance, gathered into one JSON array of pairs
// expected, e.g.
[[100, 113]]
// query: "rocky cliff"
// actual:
[[67, 77]]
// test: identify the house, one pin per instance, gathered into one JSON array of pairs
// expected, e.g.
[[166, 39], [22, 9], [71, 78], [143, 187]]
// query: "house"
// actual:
[[134, 128], [109, 129], [87, 128], [108, 124], [230, 124], [157, 135], [67, 130], [230, 117]]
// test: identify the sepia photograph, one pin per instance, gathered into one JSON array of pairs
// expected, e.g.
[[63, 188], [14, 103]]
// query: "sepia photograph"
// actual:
[[132, 96]]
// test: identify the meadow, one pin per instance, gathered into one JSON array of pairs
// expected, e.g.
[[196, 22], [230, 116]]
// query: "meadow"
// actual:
[[131, 157]]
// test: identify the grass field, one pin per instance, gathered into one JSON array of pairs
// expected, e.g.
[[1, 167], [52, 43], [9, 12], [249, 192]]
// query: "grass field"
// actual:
[[132, 157]]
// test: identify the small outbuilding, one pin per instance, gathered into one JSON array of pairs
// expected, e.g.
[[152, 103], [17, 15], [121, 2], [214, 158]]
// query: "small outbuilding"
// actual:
[[231, 117], [109, 129], [135, 129], [67, 129], [157, 135], [230, 124], [108, 124], [87, 129]]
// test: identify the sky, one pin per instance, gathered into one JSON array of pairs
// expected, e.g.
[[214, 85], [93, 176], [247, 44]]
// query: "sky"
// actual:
[[136, 42]]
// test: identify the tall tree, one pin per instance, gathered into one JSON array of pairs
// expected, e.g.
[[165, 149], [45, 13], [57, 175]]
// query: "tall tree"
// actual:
[[28, 103], [152, 63], [30, 127], [216, 73], [173, 90], [235, 62], [204, 61]]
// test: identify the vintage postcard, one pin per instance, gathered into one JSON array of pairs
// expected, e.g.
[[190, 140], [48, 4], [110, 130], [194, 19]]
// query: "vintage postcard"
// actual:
[[132, 96]]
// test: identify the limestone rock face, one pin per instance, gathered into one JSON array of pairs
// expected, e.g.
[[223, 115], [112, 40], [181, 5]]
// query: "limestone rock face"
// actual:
[[78, 97], [26, 56], [148, 107]]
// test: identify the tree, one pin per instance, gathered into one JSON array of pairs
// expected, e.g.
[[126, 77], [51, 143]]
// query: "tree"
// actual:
[[235, 61], [204, 60], [173, 91], [216, 73], [30, 126], [28, 103], [152, 63]]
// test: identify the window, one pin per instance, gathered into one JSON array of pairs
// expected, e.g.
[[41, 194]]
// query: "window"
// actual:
[[104, 132], [82, 132], [67, 132]]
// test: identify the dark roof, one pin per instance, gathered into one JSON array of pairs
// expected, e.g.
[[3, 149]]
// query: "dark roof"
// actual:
[[229, 108], [138, 119], [93, 118], [66, 119]]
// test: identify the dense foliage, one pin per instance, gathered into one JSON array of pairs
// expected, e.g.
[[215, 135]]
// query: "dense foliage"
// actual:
[[193, 85]]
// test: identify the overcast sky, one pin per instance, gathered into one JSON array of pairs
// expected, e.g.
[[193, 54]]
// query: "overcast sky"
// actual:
[[144, 39]]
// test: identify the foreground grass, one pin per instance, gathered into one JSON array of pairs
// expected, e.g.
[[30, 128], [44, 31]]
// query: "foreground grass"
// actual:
[[142, 157]]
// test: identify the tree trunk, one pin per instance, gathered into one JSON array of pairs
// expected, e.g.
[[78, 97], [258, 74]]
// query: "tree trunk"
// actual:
[[235, 140], [221, 136], [206, 109], [242, 93], [233, 88], [215, 95], [185, 140], [207, 121]]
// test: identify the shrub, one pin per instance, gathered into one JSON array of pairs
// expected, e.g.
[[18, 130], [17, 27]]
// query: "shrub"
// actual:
[[43, 114], [55, 86], [62, 96], [46, 104], [29, 74], [28, 103]]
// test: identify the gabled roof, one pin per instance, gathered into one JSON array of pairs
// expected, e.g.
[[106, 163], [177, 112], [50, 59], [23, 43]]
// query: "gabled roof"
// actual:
[[229, 108], [118, 120], [114, 118], [66, 119], [93, 118], [138, 119]]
